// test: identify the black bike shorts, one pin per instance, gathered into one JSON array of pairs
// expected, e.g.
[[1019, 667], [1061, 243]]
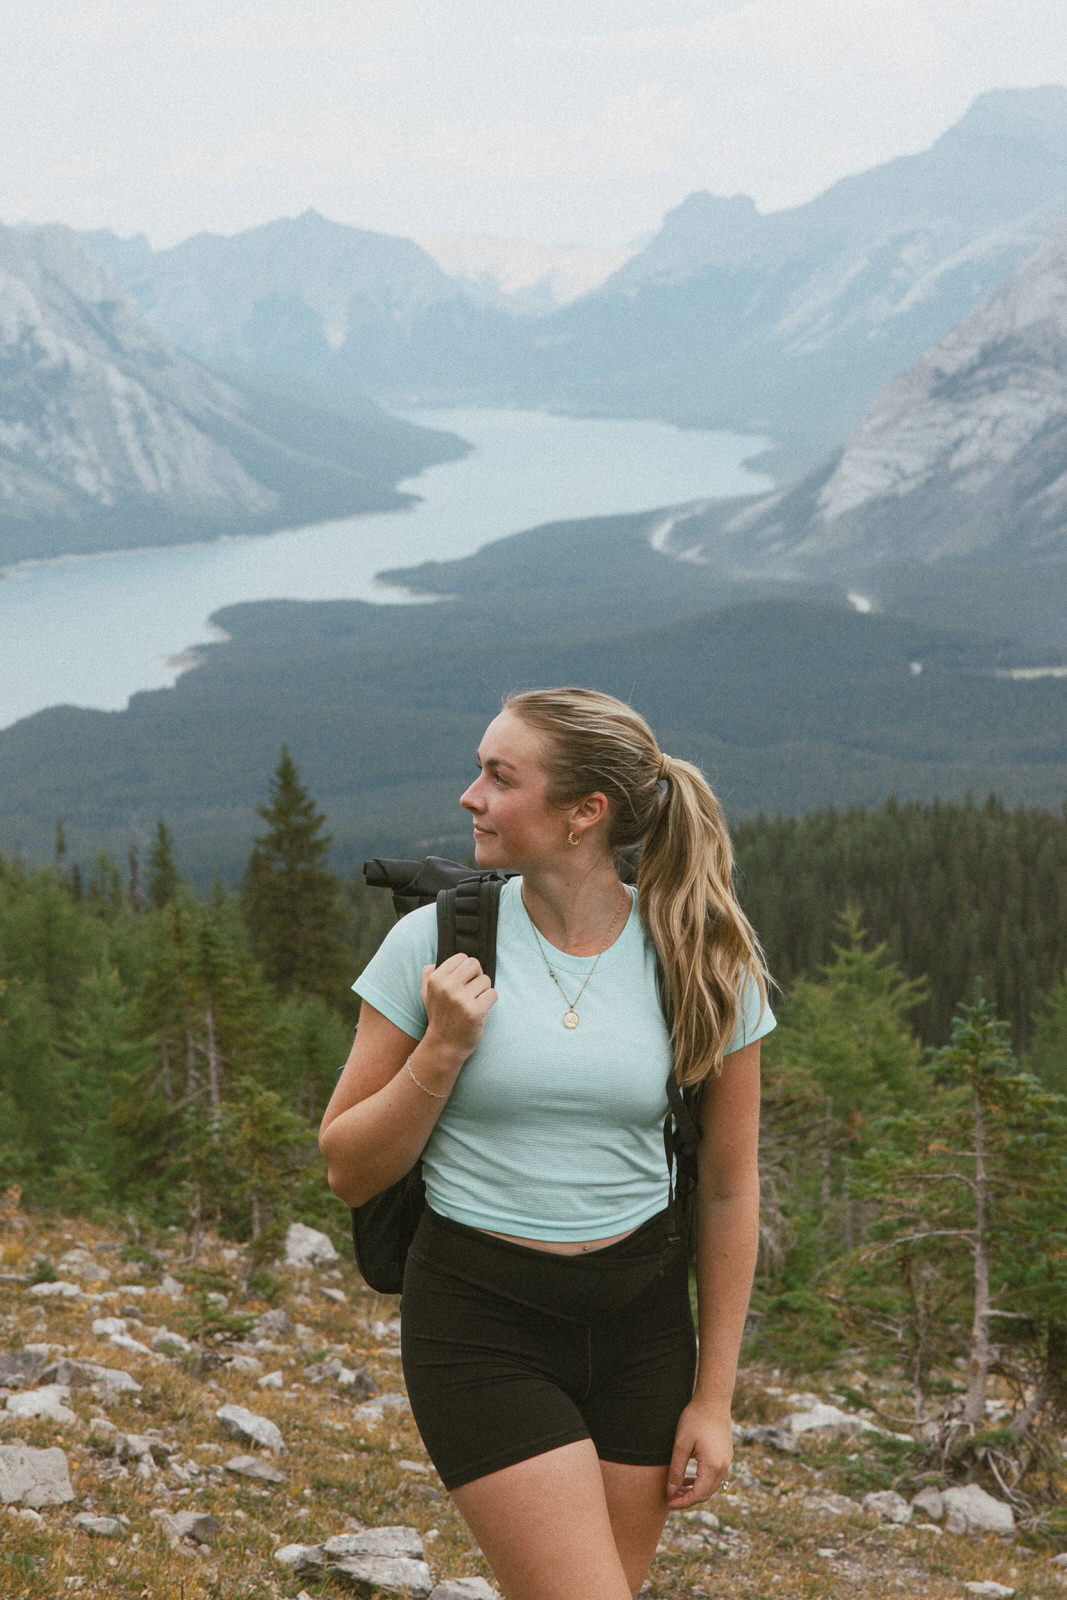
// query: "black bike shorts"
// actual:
[[510, 1351]]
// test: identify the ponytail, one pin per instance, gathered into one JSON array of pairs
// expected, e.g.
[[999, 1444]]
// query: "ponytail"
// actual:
[[709, 956]]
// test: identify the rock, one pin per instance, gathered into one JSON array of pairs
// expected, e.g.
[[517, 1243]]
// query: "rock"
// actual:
[[194, 1525], [44, 1402], [254, 1467], [929, 1503], [702, 1519], [1060, 1561], [374, 1410], [60, 1290], [989, 1590], [888, 1505], [77, 1373], [243, 1424], [171, 1287], [307, 1247], [777, 1438], [19, 1367], [143, 1446], [836, 1505], [34, 1477], [124, 1342], [464, 1589], [273, 1323], [969, 1509], [168, 1343], [271, 1380], [101, 1527], [104, 1327], [380, 1558], [302, 1559], [830, 1420], [247, 1364]]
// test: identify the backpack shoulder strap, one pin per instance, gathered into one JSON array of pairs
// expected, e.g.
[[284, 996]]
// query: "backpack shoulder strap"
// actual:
[[467, 915]]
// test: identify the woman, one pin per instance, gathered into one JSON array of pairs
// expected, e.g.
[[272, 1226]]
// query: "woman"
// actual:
[[547, 1335]]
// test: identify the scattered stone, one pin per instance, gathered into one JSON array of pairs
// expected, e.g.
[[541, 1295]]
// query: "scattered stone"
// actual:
[[778, 1438], [124, 1342], [243, 1424], [380, 1558], [171, 1287], [888, 1504], [413, 1466], [249, 1364], [338, 1296], [836, 1505], [272, 1380], [21, 1367], [48, 1401], [829, 1420], [969, 1509], [307, 1247], [464, 1589], [1060, 1560], [929, 1503], [989, 1591], [168, 1343], [34, 1477], [357, 1381], [60, 1290], [139, 1446], [254, 1467], [274, 1323], [104, 1327], [702, 1519], [194, 1525], [75, 1373], [374, 1410], [101, 1527]]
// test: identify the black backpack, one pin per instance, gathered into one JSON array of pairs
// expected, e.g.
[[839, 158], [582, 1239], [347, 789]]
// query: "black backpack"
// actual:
[[468, 902]]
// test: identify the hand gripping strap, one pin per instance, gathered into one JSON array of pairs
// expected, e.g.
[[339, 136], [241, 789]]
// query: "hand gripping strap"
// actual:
[[466, 921]]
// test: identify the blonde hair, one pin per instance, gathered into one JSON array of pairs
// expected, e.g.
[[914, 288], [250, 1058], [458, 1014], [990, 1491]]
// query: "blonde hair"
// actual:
[[708, 953]]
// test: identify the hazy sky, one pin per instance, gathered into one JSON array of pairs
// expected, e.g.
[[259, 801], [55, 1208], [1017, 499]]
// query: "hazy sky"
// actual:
[[562, 121]]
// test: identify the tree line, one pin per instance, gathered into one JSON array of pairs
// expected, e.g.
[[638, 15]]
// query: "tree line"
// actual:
[[170, 1055]]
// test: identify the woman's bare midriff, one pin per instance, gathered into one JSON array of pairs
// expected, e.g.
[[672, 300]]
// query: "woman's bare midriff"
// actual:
[[561, 1247]]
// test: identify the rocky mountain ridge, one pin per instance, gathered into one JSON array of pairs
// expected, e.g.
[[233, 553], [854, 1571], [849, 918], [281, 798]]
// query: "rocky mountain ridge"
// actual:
[[110, 437]]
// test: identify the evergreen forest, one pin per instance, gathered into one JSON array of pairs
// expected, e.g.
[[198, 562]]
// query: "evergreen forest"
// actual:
[[165, 1056]]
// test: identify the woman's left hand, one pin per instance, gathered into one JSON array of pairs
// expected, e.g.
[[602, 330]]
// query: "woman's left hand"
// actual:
[[703, 1436]]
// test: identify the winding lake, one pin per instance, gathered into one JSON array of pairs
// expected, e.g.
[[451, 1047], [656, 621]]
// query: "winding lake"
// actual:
[[92, 630]]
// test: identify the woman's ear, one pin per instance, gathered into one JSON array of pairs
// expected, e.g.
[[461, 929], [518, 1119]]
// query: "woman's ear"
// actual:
[[589, 811]]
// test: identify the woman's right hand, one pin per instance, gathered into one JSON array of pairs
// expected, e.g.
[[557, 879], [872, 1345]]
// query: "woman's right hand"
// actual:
[[457, 996]]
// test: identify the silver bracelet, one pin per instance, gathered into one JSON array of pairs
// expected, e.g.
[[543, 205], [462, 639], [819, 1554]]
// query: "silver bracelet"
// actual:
[[431, 1092]]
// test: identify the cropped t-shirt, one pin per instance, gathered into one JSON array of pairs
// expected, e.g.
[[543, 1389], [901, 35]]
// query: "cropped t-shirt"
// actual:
[[548, 1133]]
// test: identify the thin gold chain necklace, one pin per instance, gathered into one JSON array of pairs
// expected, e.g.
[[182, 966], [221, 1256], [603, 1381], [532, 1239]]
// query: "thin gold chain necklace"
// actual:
[[571, 1018]]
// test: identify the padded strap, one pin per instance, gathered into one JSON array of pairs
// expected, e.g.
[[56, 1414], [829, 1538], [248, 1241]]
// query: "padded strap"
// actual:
[[467, 920]]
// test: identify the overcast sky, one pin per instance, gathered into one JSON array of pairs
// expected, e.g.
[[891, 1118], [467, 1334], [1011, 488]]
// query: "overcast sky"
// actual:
[[560, 121]]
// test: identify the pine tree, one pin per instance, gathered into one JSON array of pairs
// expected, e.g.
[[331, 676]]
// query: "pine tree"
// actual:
[[292, 903], [163, 877]]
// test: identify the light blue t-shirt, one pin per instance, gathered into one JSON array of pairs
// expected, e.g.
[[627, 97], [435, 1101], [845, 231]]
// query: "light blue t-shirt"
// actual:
[[548, 1133]]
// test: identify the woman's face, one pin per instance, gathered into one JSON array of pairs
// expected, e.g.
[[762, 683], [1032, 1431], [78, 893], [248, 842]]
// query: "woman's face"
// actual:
[[514, 824]]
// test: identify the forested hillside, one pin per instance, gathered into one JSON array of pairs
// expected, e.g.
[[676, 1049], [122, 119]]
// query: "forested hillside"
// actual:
[[169, 1056]]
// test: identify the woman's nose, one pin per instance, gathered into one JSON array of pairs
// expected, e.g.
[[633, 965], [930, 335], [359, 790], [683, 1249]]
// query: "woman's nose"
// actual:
[[469, 799]]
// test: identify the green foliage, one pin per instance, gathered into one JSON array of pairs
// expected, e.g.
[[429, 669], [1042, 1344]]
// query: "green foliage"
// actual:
[[1047, 1056]]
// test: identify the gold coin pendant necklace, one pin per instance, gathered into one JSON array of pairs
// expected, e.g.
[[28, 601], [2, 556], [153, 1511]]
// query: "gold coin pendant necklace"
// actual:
[[571, 1018]]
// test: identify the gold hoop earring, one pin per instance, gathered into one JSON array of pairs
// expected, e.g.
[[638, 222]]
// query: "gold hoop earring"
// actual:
[[571, 840]]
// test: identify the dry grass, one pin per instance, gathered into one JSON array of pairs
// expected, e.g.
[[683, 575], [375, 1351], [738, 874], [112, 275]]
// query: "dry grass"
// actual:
[[773, 1543]]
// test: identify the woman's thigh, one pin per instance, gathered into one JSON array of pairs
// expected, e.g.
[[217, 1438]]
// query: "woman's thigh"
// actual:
[[547, 1529]]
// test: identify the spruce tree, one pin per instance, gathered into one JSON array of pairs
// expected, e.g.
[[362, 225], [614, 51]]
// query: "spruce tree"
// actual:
[[162, 873], [292, 903]]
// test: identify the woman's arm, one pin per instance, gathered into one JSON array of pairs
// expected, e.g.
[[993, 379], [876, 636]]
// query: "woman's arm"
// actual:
[[379, 1119], [727, 1198]]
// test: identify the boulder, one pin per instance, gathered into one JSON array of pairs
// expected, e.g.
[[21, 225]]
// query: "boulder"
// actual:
[[194, 1525], [389, 1559], [464, 1589], [828, 1420], [888, 1504], [274, 1323], [48, 1401], [34, 1477], [76, 1373], [101, 1527], [988, 1590], [929, 1503], [242, 1424], [255, 1467], [21, 1367], [307, 1247], [60, 1290], [302, 1559], [969, 1509]]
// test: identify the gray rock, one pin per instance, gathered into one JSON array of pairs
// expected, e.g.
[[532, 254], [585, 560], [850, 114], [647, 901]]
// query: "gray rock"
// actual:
[[778, 1438], [194, 1525], [307, 1247], [255, 1467], [969, 1509], [301, 1559], [374, 1410], [888, 1504], [142, 1446], [168, 1343], [988, 1590], [273, 1323], [828, 1420], [929, 1503], [388, 1574], [34, 1477], [464, 1589], [60, 1290], [101, 1527], [104, 1327], [171, 1287], [395, 1542], [48, 1402], [240, 1423], [250, 1365], [78, 1373], [19, 1367]]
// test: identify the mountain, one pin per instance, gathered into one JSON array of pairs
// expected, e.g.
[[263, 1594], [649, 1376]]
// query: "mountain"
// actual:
[[789, 323], [110, 437], [960, 462], [311, 296], [529, 279]]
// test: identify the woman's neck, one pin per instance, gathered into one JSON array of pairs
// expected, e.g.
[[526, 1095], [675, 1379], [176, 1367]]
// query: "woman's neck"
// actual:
[[578, 913]]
